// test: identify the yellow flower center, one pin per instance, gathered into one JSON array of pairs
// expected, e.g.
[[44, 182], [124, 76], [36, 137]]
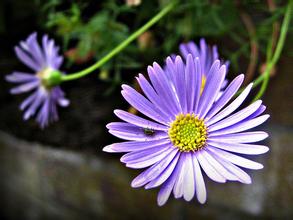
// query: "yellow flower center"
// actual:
[[188, 132]]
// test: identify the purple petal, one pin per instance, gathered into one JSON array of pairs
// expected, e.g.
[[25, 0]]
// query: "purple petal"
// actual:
[[164, 88], [25, 87], [190, 75], [178, 186], [180, 81], [219, 168], [63, 102], [154, 171], [145, 158], [244, 137], [198, 84], [170, 70], [258, 112], [38, 101], [35, 50], [138, 121], [210, 171], [168, 186], [44, 115], [142, 104], [150, 93], [188, 180], [211, 89], [184, 50], [226, 96], [242, 176], [134, 145], [203, 53], [27, 60], [20, 77], [29, 100], [128, 131], [241, 126], [165, 175], [235, 118], [231, 107], [237, 160], [252, 149], [201, 193]]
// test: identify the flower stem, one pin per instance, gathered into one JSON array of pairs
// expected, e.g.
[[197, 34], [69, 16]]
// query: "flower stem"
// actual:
[[264, 78], [121, 46]]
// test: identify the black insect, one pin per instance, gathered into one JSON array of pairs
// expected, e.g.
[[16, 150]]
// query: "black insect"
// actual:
[[149, 131]]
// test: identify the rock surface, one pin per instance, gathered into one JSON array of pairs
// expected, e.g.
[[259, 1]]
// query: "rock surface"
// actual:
[[40, 182]]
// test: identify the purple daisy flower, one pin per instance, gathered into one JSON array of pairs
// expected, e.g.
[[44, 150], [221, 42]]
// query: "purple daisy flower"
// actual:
[[43, 61], [188, 133]]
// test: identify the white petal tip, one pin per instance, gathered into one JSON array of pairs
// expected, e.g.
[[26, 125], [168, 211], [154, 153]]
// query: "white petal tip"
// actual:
[[122, 159], [202, 201], [108, 149], [161, 202], [135, 184], [188, 198]]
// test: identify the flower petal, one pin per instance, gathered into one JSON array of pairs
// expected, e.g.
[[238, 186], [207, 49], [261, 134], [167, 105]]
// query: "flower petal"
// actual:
[[231, 107], [212, 88], [164, 88], [168, 186], [35, 50], [145, 158], [244, 137], [180, 82], [226, 96], [241, 126], [251, 149], [188, 180], [198, 84], [165, 175], [201, 192], [217, 166], [26, 59], [210, 171], [142, 104], [240, 161], [20, 77], [134, 145], [138, 121], [242, 176], [154, 171], [151, 94], [128, 131], [236, 117], [25, 87], [178, 186]]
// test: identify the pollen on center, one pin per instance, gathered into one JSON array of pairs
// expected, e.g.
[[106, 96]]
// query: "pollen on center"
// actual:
[[188, 132]]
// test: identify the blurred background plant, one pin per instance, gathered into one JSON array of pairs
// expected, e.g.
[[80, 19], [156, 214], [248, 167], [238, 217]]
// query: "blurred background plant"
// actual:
[[89, 29]]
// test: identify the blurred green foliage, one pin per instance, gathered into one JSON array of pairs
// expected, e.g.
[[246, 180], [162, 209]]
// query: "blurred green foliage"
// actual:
[[90, 28]]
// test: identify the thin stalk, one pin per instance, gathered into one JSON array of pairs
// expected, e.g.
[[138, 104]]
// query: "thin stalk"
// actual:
[[121, 46], [276, 56]]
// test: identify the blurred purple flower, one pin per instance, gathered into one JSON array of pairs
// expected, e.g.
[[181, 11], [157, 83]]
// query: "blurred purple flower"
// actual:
[[43, 61], [207, 55], [188, 131]]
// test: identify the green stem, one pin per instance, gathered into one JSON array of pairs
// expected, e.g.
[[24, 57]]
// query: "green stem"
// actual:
[[121, 46], [270, 63]]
